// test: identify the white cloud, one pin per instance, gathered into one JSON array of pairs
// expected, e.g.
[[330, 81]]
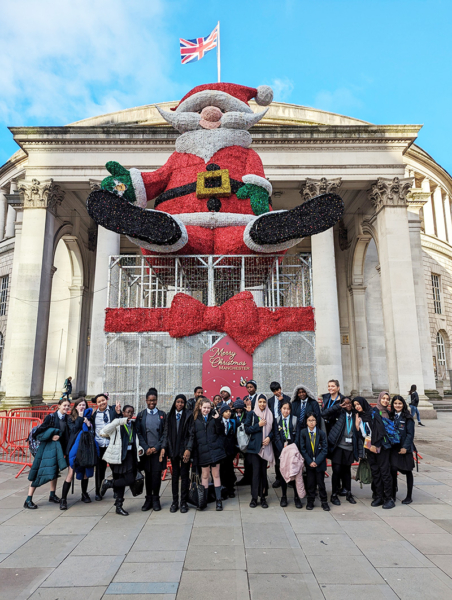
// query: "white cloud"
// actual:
[[340, 100], [59, 58], [282, 88]]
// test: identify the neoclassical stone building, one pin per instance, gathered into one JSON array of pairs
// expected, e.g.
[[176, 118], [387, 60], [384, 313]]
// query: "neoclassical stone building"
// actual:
[[381, 279]]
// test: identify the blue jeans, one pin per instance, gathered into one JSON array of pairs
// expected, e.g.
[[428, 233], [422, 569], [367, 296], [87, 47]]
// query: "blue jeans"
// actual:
[[415, 411]]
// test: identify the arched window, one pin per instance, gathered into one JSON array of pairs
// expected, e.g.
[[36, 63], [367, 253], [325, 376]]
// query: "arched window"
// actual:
[[440, 350]]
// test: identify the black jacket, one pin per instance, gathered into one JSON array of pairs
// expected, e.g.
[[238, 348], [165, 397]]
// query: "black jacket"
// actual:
[[255, 432], [125, 442], [378, 437], [405, 427], [320, 449], [271, 402], [279, 438], [230, 439], [53, 420], [414, 399], [141, 430], [208, 440], [312, 406], [253, 398], [337, 431], [74, 427], [191, 404], [176, 442], [327, 404]]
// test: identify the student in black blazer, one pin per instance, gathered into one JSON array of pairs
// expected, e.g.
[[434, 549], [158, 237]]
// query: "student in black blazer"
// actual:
[[284, 433], [402, 454], [178, 445], [150, 426], [303, 403], [333, 397], [198, 391], [249, 400], [274, 405], [313, 446], [227, 474], [103, 415]]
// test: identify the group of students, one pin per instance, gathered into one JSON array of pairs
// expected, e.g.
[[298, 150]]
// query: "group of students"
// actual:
[[202, 436]]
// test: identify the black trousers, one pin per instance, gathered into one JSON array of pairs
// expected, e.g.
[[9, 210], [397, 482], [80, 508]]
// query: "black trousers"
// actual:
[[342, 478], [152, 475], [101, 467], [120, 482], [247, 474], [227, 474], [381, 473], [259, 481], [315, 479], [182, 470]]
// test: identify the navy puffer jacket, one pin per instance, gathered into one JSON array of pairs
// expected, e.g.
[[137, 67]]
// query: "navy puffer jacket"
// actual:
[[209, 440]]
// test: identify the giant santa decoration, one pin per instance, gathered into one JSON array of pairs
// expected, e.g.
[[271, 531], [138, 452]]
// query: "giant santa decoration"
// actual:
[[211, 196]]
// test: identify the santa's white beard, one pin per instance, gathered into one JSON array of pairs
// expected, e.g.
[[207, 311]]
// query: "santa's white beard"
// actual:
[[204, 143]]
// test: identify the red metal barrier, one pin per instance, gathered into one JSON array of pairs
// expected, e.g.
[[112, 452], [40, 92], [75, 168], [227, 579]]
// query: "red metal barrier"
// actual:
[[37, 412], [14, 432]]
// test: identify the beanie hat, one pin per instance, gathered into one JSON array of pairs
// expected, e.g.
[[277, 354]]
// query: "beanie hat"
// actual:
[[225, 388], [252, 383], [262, 94], [239, 403]]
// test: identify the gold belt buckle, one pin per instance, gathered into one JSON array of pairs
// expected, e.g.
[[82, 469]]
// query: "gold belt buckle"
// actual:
[[223, 191]]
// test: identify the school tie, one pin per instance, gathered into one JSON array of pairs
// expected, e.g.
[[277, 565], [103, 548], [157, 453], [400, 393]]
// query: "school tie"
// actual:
[[105, 417], [177, 416], [302, 411], [278, 411], [286, 429], [205, 419]]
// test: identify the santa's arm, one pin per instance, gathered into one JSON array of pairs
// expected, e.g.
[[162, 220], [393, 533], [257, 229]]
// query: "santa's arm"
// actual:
[[256, 187], [255, 172]]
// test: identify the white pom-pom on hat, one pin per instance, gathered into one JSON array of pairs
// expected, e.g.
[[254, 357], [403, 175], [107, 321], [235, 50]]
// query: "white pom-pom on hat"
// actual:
[[264, 95]]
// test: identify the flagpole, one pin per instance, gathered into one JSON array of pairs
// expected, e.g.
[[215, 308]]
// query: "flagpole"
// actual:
[[218, 54]]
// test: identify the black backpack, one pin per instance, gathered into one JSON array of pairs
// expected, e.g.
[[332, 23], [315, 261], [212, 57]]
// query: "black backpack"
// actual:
[[86, 452]]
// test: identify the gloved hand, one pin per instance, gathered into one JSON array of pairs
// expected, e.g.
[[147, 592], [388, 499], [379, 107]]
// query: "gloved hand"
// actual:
[[258, 197], [119, 182]]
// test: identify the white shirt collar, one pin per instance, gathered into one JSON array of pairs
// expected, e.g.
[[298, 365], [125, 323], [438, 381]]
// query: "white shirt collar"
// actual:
[[60, 416], [313, 431], [154, 411]]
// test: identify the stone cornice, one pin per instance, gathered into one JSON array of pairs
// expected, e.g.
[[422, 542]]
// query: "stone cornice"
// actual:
[[432, 243]]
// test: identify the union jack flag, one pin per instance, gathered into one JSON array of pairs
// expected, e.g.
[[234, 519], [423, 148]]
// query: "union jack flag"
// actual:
[[192, 50]]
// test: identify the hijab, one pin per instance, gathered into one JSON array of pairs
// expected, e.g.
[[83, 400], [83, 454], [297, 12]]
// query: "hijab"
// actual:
[[380, 407], [363, 403], [266, 452]]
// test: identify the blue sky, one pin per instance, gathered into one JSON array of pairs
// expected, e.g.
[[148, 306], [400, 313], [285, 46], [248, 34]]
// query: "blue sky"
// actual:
[[384, 61]]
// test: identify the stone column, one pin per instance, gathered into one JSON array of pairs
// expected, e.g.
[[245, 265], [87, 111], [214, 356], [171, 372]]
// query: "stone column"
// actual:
[[108, 244], [439, 213], [324, 286], [29, 308], [3, 209], [448, 218], [357, 293], [429, 221], [397, 283]]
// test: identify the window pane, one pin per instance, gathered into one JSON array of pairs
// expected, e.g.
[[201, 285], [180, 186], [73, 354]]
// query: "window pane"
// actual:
[[436, 293]]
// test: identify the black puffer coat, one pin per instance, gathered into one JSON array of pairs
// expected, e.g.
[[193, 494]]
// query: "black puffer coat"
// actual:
[[208, 440], [337, 431]]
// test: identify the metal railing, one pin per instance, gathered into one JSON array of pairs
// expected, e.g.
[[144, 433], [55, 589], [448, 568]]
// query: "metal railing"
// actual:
[[152, 281]]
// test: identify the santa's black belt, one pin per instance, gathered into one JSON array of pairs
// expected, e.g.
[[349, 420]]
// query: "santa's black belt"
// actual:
[[227, 186]]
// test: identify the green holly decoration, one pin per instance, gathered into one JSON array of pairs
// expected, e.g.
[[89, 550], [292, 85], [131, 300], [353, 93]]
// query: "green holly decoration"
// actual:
[[258, 197], [119, 182]]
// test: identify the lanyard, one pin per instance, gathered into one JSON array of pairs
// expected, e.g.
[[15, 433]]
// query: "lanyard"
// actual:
[[130, 433], [331, 402], [286, 430], [312, 437], [349, 422]]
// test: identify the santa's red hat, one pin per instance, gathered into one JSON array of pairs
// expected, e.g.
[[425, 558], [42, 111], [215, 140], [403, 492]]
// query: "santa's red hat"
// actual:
[[262, 94]]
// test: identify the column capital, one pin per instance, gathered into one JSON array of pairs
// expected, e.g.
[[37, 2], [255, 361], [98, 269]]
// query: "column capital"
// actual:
[[389, 192], [310, 188], [46, 194]]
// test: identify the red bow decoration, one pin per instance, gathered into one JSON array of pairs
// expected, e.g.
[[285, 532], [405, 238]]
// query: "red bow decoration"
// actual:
[[239, 317]]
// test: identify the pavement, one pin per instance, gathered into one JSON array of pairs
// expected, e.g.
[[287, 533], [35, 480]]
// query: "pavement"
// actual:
[[354, 551]]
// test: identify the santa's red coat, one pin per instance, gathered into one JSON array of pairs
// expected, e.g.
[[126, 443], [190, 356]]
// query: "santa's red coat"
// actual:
[[182, 169]]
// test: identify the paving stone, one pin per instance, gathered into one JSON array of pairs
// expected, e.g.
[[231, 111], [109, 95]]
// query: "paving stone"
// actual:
[[8, 513], [388, 553], [163, 537], [217, 557], [436, 511], [340, 569], [12, 538], [358, 592], [80, 509], [270, 535], [130, 595], [33, 517], [431, 543], [276, 560], [3, 557], [378, 530], [43, 551], [328, 544], [294, 585], [83, 571], [159, 556], [319, 523], [165, 572], [214, 519], [140, 589], [167, 518], [443, 561], [19, 584], [359, 513], [216, 536], [405, 525], [93, 593], [445, 524], [70, 526], [222, 585], [417, 584]]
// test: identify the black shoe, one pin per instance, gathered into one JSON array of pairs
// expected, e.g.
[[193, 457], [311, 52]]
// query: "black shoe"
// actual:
[[377, 502], [98, 498], [147, 505], [343, 492], [54, 499], [350, 498], [174, 506], [63, 504], [243, 481], [219, 505], [325, 506], [120, 510], [156, 503], [309, 505], [276, 484], [283, 501], [106, 485], [408, 500], [183, 507], [30, 504], [335, 500], [298, 502], [421, 424], [389, 504], [253, 503], [264, 502], [85, 498]]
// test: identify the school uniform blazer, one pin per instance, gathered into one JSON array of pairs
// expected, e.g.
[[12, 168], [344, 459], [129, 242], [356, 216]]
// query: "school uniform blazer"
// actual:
[[279, 439], [253, 398], [406, 431], [186, 433], [230, 439], [255, 432], [337, 431], [273, 399], [312, 406], [141, 430], [53, 420], [111, 411], [320, 449]]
